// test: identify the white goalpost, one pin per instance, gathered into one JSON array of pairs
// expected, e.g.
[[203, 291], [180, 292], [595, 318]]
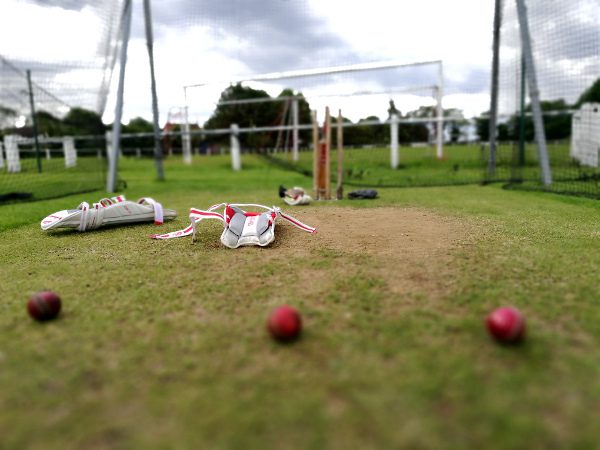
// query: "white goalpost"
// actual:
[[336, 87]]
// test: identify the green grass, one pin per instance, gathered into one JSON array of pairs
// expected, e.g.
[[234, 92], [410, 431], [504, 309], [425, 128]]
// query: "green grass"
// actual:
[[460, 164], [55, 180], [162, 344]]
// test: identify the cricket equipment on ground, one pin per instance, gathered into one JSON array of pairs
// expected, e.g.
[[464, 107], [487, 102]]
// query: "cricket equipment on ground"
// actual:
[[321, 157], [294, 196], [44, 305], [362, 193], [241, 227], [108, 211], [506, 325], [285, 323]]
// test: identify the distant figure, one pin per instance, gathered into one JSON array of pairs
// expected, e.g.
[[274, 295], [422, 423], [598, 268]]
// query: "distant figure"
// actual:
[[393, 110]]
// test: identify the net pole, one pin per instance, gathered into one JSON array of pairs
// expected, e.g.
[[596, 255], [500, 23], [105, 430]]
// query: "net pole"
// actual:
[[111, 184], [494, 86], [440, 113], [534, 94], [158, 154], [521, 160], [34, 123]]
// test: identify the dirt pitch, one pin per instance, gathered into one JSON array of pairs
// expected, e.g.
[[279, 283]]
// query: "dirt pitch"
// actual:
[[406, 251]]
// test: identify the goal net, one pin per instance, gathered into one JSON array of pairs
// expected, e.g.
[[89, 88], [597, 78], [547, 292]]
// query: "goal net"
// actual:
[[273, 115], [64, 88], [566, 44]]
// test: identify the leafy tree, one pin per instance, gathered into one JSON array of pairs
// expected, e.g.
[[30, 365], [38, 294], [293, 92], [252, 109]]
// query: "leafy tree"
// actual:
[[48, 124], [556, 126], [79, 121], [138, 125], [482, 126], [364, 134], [420, 132], [504, 131], [591, 94], [257, 114], [244, 115], [304, 113]]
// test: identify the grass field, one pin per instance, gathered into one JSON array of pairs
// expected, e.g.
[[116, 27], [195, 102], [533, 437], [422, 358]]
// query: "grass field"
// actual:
[[461, 164], [55, 180], [162, 344]]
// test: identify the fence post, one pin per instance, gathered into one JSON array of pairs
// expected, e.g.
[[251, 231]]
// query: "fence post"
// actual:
[[236, 161], [69, 151], [1, 156], [109, 153], [13, 160]]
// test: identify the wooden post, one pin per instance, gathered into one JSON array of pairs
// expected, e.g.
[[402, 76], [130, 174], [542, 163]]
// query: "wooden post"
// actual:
[[326, 162], [339, 191], [321, 168]]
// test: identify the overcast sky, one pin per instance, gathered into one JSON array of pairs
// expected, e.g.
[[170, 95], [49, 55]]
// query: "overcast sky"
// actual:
[[198, 41]]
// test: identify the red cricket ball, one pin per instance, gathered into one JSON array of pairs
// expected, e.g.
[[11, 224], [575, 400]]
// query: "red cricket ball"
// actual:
[[44, 305], [506, 324], [285, 323]]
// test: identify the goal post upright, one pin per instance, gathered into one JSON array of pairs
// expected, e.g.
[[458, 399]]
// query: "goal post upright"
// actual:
[[440, 112], [394, 152], [295, 130], [186, 138]]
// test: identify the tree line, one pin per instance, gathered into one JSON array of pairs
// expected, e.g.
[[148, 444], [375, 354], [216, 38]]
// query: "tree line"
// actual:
[[557, 119], [262, 113]]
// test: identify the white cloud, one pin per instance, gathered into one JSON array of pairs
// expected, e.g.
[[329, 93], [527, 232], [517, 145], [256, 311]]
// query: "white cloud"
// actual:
[[48, 35]]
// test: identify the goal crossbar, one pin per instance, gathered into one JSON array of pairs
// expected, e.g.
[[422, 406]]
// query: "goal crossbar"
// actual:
[[361, 67]]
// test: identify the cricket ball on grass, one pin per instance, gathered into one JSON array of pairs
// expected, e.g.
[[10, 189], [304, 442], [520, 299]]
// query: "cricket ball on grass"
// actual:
[[44, 305], [285, 323], [506, 325]]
